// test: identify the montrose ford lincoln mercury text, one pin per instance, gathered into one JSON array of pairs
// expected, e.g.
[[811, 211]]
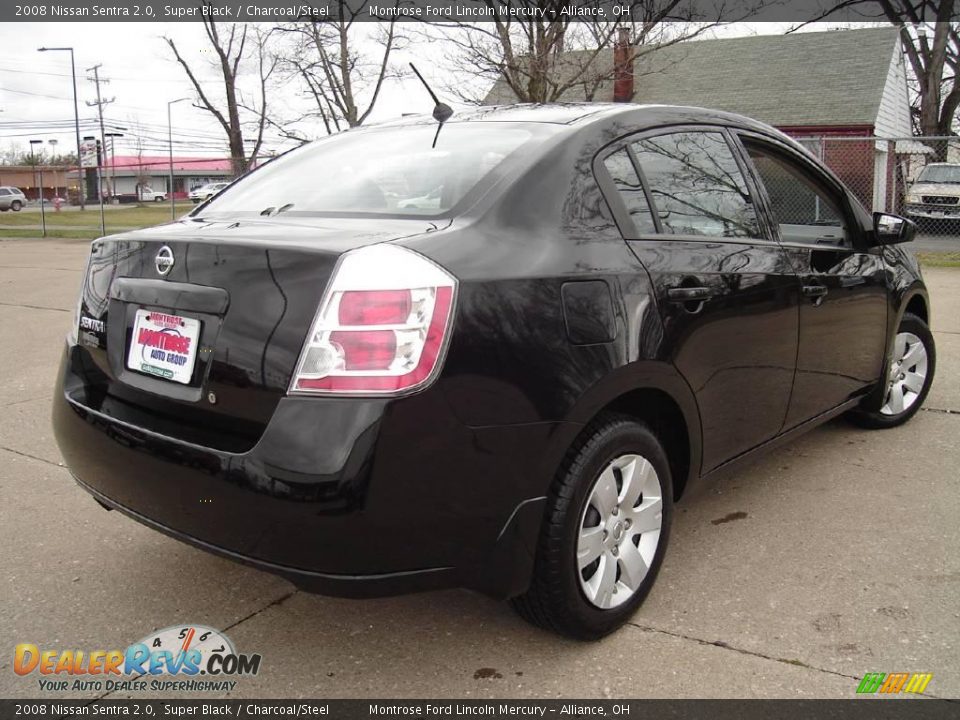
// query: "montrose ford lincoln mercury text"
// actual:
[[491, 352]]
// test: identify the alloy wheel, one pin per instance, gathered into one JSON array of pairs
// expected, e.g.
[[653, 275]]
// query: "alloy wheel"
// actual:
[[908, 374], [619, 531]]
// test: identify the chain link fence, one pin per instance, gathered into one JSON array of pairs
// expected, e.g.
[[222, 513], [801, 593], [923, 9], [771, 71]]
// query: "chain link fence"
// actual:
[[918, 177]]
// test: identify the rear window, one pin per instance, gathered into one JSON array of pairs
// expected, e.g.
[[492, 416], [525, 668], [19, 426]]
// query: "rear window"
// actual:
[[396, 171]]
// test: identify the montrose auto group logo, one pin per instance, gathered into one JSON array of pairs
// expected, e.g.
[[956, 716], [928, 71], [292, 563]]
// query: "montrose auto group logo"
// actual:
[[176, 658]]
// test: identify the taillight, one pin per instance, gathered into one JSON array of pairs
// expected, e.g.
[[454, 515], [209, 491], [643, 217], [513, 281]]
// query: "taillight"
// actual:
[[382, 326], [74, 333]]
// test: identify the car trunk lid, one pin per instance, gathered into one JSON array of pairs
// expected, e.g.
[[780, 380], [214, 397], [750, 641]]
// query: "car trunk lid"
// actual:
[[233, 300]]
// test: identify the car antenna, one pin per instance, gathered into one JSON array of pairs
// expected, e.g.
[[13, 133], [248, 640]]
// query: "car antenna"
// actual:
[[441, 111]]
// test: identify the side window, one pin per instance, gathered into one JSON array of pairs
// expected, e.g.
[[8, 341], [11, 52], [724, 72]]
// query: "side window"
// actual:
[[4, 191], [804, 211], [624, 175], [696, 185]]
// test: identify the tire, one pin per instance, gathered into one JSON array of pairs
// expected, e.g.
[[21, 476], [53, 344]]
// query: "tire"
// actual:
[[568, 595], [16, 205], [158, 198], [907, 384]]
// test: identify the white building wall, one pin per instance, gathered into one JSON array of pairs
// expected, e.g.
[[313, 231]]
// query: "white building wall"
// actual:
[[893, 121], [893, 116]]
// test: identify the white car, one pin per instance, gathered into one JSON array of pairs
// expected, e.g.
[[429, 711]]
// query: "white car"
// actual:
[[935, 195], [430, 201], [207, 191], [11, 198], [150, 195]]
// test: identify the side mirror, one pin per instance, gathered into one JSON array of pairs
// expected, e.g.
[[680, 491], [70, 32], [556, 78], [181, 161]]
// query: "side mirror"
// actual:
[[892, 229]]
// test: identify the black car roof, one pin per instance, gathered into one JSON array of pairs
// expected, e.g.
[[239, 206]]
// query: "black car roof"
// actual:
[[581, 113]]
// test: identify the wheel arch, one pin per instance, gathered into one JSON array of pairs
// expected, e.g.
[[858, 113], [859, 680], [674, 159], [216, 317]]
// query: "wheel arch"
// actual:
[[917, 305], [656, 395]]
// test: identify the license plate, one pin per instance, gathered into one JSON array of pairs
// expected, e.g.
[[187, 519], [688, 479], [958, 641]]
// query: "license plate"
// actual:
[[164, 345]]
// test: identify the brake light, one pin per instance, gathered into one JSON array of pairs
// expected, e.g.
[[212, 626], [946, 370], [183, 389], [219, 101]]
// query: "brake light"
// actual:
[[381, 328]]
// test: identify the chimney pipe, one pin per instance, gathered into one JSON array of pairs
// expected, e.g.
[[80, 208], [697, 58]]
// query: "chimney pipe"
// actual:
[[623, 67]]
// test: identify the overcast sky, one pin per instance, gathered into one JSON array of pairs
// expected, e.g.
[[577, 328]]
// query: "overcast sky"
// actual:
[[36, 91]]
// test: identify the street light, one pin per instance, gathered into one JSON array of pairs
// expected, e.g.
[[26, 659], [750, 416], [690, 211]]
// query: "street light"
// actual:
[[43, 216], [173, 199], [113, 166], [81, 174]]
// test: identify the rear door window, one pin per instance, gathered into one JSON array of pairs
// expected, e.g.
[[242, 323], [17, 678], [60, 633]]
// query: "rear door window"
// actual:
[[630, 189], [696, 185]]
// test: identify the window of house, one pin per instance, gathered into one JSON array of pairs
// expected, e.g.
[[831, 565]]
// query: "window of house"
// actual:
[[628, 185], [696, 185], [802, 208]]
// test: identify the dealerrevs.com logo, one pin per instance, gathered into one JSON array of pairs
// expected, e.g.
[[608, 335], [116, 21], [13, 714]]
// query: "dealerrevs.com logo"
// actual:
[[177, 658]]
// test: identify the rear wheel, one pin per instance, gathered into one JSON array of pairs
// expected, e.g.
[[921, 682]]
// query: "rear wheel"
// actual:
[[605, 532], [909, 376], [16, 205]]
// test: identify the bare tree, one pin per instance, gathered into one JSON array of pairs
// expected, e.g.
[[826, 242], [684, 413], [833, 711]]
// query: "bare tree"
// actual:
[[542, 49], [234, 44], [341, 64], [931, 43]]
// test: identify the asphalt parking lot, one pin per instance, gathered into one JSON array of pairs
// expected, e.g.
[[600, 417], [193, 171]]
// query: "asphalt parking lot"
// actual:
[[830, 558]]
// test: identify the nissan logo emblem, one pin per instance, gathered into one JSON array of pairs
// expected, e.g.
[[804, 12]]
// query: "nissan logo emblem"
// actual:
[[164, 260]]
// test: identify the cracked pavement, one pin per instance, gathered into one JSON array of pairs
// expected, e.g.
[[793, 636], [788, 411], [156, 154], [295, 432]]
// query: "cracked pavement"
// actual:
[[829, 558]]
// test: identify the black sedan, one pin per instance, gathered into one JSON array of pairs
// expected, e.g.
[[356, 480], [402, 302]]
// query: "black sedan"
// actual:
[[491, 353]]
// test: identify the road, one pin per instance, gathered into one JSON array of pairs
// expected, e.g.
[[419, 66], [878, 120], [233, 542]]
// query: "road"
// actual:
[[833, 557]]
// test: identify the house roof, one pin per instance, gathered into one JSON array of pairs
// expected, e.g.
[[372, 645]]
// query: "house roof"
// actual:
[[818, 78], [180, 164]]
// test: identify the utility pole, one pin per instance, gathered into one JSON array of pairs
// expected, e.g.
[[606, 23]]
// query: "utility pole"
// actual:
[[81, 173], [100, 102]]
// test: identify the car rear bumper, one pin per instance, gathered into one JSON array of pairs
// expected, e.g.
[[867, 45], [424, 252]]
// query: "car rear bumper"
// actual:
[[343, 497]]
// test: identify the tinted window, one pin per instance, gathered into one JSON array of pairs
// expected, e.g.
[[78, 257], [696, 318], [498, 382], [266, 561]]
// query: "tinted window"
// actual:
[[624, 175], [4, 191], [804, 210], [696, 185], [397, 171]]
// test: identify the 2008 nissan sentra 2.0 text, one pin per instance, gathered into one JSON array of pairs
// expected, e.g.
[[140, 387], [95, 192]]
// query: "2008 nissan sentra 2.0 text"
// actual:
[[490, 353]]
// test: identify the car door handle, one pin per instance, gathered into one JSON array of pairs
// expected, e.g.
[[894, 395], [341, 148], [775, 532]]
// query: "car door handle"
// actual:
[[686, 294], [815, 291]]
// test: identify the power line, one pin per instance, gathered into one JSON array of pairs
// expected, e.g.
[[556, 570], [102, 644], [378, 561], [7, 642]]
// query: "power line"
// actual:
[[27, 92], [34, 72]]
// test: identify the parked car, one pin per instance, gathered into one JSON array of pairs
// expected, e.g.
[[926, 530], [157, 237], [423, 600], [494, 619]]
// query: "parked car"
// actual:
[[508, 391], [150, 195], [207, 191], [934, 197], [12, 198], [430, 201]]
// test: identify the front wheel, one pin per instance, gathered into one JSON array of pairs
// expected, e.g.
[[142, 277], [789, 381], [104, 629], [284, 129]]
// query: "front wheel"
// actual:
[[909, 376], [604, 534], [16, 205]]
